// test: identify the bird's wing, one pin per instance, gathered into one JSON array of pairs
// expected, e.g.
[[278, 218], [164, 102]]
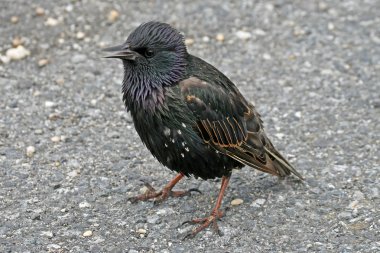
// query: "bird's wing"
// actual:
[[231, 125]]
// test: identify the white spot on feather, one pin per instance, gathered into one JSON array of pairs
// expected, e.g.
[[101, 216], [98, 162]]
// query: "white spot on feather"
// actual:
[[187, 149], [173, 140], [184, 125], [166, 131], [166, 145], [183, 144], [179, 132], [182, 154]]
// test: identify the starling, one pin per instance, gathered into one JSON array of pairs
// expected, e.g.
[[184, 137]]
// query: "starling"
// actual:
[[190, 116]]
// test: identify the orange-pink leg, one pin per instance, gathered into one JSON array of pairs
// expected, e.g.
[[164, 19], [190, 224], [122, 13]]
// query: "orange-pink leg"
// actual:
[[162, 195], [215, 213]]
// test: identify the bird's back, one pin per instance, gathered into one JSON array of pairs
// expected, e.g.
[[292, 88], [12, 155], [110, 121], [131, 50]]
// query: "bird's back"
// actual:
[[230, 123]]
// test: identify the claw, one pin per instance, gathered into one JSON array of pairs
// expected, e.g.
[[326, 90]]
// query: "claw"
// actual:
[[133, 200], [188, 236], [204, 223], [190, 222], [212, 219], [148, 185], [216, 229], [162, 195], [158, 201], [194, 190]]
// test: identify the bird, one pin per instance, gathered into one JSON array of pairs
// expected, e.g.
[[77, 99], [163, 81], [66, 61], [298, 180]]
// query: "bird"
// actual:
[[190, 116]]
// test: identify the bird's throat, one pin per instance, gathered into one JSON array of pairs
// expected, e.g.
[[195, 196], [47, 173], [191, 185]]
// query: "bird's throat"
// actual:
[[138, 96]]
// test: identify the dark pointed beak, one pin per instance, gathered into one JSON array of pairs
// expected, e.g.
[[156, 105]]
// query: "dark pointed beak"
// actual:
[[122, 52]]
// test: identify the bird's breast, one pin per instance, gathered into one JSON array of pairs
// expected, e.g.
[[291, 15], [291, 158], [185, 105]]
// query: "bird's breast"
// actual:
[[177, 145]]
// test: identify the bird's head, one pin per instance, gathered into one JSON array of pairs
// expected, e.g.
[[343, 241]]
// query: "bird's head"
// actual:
[[154, 53]]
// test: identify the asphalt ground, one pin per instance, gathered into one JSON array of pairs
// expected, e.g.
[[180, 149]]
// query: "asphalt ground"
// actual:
[[70, 157]]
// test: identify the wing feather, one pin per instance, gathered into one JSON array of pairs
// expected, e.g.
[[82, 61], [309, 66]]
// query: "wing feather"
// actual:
[[227, 122]]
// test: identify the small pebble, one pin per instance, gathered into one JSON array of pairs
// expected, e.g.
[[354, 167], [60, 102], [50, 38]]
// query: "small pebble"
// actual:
[[141, 231], [84, 204], [298, 31], [40, 11], [87, 233], [60, 81], [144, 190], [49, 104], [17, 41], [258, 202], [259, 32], [4, 59], [14, 19], [322, 6], [330, 186], [69, 8], [237, 202], [327, 72], [220, 37], [43, 62], [267, 56], [80, 35], [189, 42], [113, 16], [280, 135], [30, 151], [165, 211], [54, 116], [63, 138], [38, 131], [73, 173], [269, 7], [298, 114], [17, 53], [53, 247], [243, 35], [355, 212], [51, 22], [55, 139], [48, 234], [206, 39]]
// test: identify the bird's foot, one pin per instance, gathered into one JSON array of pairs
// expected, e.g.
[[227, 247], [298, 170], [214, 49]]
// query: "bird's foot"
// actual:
[[204, 223], [160, 196]]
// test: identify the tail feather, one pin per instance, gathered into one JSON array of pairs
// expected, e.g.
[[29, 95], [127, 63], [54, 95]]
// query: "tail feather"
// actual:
[[282, 165]]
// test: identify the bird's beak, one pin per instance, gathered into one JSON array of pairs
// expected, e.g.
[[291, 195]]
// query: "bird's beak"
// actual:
[[122, 52]]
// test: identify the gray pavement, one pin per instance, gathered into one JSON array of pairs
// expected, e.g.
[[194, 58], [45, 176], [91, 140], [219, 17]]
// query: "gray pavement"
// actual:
[[70, 157]]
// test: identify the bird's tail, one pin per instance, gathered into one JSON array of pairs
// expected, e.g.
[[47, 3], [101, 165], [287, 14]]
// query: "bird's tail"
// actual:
[[283, 167]]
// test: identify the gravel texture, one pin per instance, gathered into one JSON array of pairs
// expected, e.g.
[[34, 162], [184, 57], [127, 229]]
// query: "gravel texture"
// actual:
[[70, 157]]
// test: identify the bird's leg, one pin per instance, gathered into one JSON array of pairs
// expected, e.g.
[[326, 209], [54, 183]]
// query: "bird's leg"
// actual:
[[160, 196], [215, 213]]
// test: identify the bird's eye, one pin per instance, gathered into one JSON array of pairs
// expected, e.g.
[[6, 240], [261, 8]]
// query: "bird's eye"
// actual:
[[149, 53]]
